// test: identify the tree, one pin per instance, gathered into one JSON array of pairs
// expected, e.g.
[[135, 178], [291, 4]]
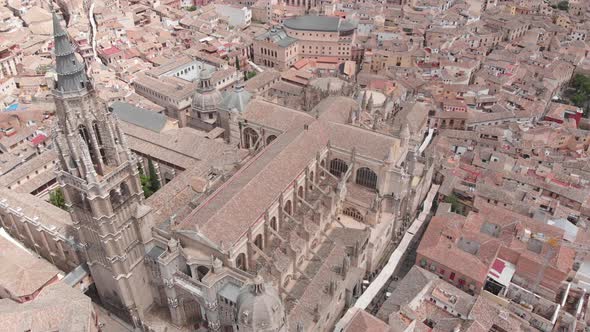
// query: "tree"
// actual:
[[563, 5], [237, 64], [145, 185], [154, 181], [579, 92], [192, 8], [579, 98], [57, 198], [250, 74], [456, 205], [146, 179]]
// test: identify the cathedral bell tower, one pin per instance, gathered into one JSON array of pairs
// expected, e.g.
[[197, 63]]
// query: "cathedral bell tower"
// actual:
[[99, 177]]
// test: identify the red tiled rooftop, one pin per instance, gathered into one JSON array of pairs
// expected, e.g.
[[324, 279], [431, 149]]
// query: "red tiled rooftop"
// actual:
[[440, 245], [300, 64], [326, 59], [38, 139], [111, 50]]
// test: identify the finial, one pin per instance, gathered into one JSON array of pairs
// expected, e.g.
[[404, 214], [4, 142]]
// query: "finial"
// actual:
[[257, 285]]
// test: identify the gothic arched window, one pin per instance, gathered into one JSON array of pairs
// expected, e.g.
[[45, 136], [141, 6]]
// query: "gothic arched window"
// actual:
[[115, 198], [250, 138], [338, 167], [354, 213], [241, 262], [288, 207], [97, 132], [259, 242], [202, 272], [85, 135], [273, 224], [366, 178], [87, 138], [124, 189], [270, 138]]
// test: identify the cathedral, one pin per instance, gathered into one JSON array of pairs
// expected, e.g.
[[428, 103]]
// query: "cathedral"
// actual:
[[281, 240]]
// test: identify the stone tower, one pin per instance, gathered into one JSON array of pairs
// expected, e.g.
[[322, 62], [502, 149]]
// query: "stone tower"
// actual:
[[99, 177]]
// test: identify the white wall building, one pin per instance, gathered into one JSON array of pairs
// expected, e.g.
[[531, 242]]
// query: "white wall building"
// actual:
[[236, 16]]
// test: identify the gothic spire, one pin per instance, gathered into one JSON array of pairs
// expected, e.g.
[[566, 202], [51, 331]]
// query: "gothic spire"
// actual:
[[71, 76]]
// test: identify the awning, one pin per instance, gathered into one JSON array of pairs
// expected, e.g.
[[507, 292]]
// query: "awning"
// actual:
[[78, 274], [502, 272]]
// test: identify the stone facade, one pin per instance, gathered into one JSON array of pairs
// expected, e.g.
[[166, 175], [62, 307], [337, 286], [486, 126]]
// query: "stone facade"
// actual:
[[320, 199], [42, 227], [306, 37]]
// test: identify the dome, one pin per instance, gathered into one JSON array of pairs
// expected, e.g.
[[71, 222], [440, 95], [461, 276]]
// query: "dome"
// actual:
[[378, 97], [260, 308], [236, 99], [206, 98]]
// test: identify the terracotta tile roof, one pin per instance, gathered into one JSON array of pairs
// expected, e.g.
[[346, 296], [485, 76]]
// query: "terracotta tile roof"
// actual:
[[241, 201], [486, 314], [362, 321], [336, 109], [37, 162], [468, 245], [405, 292], [366, 142], [21, 273], [438, 248], [314, 292], [43, 212], [186, 143], [274, 116], [111, 50], [57, 308]]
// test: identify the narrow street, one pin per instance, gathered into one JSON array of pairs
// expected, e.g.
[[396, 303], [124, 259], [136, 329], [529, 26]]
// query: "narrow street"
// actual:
[[94, 31], [405, 266], [400, 260], [110, 323]]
